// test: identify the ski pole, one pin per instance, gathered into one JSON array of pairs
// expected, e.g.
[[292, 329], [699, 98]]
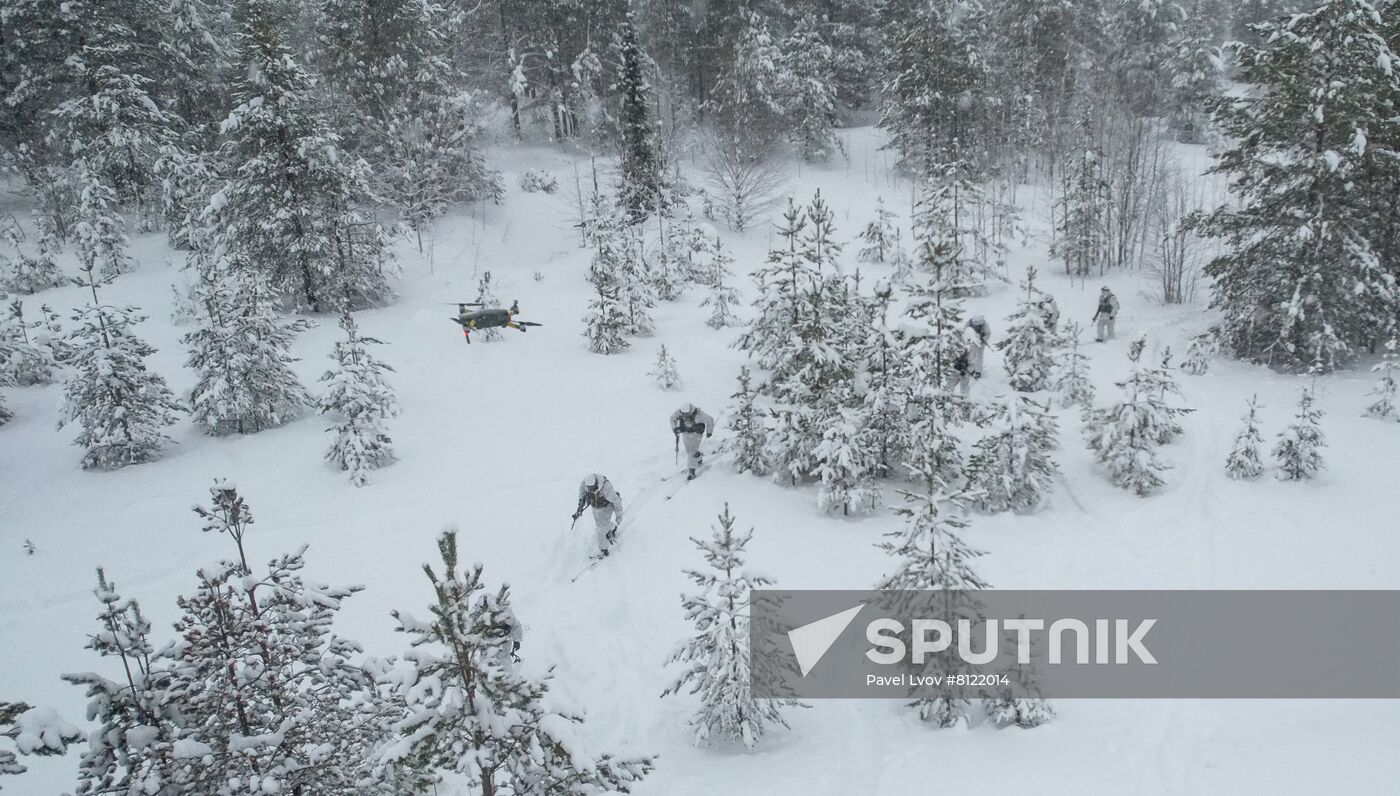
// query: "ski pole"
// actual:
[[678, 449]]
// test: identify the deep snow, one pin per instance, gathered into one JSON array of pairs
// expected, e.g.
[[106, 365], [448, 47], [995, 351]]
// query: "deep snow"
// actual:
[[495, 437]]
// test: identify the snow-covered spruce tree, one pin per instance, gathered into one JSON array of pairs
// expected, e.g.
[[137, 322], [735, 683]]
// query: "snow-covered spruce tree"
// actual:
[[261, 678], [1301, 282], [1199, 353], [1082, 207], [1159, 383], [1385, 390], [778, 307], [637, 292], [5, 414], [399, 98], [1026, 347], [606, 324], [935, 81], [879, 239], [1298, 451], [1125, 435], [884, 406], [663, 370], [931, 556], [1071, 381], [718, 665], [639, 188], [670, 265], [949, 243], [23, 273], [242, 352], [122, 407], [1244, 461], [471, 712], [809, 90], [292, 208], [1194, 65], [844, 458], [748, 427], [139, 730], [24, 358], [1010, 467], [100, 230], [486, 297], [357, 393], [723, 297]]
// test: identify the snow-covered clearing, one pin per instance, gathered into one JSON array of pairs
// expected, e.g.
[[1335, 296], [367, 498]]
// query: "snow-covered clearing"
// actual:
[[495, 436]]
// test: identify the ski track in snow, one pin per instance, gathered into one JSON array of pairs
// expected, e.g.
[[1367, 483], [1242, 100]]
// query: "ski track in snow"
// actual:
[[496, 436]]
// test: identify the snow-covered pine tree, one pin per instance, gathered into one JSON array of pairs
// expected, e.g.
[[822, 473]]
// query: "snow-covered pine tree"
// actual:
[[1301, 282], [242, 352], [486, 297], [639, 189], [262, 679], [723, 297], [357, 392], [1125, 435], [1385, 391], [637, 292], [139, 732], [778, 307], [293, 208], [844, 458], [1194, 66], [1082, 207], [606, 324], [718, 665], [123, 408], [1298, 451], [809, 90], [663, 370], [931, 556], [747, 424], [880, 236], [100, 230], [670, 264], [1010, 467], [400, 98], [1199, 353], [1160, 382], [23, 273], [6, 415], [1026, 347], [1245, 461], [471, 712], [24, 359], [1072, 382]]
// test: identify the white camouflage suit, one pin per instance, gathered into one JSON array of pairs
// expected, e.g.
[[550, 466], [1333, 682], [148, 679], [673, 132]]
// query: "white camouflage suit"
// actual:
[[606, 505], [1106, 314], [692, 429]]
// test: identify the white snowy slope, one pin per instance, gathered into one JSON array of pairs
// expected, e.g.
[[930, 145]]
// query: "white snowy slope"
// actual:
[[495, 437]]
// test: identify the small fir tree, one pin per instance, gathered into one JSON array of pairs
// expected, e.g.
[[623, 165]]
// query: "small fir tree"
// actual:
[[1298, 451], [718, 665], [1385, 390], [664, 370], [1244, 461], [358, 393], [1072, 382]]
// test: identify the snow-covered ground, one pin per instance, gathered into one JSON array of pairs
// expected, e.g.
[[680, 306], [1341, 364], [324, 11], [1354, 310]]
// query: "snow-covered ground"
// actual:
[[495, 437]]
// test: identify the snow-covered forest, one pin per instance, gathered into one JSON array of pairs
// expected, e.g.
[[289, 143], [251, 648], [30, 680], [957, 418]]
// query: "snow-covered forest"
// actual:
[[612, 311]]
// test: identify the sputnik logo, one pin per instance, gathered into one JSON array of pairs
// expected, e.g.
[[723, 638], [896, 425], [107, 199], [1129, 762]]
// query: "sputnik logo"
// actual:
[[811, 641]]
